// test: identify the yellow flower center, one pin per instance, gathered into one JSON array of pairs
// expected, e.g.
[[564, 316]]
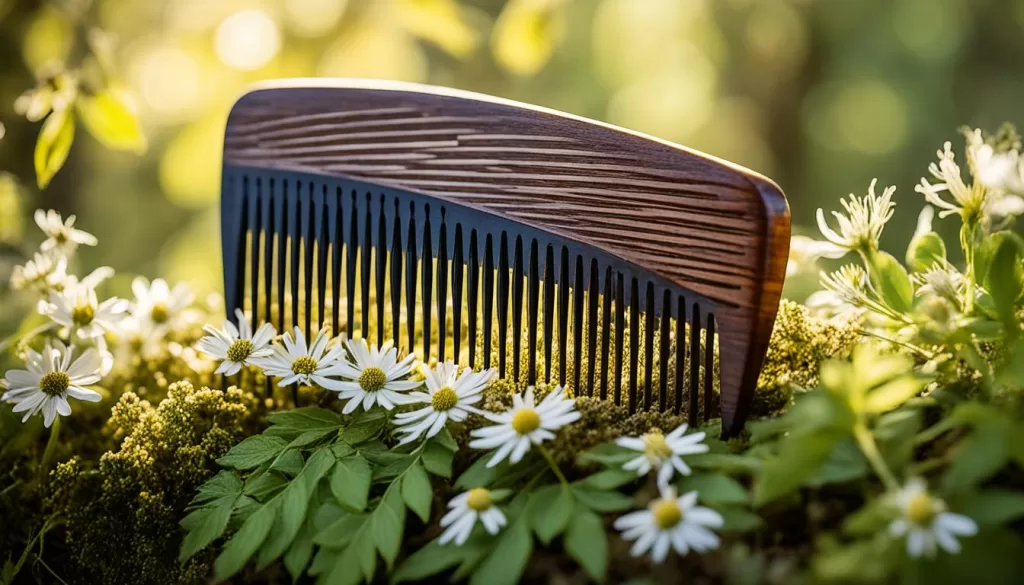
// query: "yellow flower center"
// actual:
[[526, 421], [479, 499], [61, 235], [54, 383], [83, 314], [655, 446], [444, 399], [159, 313], [240, 350], [667, 513], [304, 365], [372, 379], [921, 509]]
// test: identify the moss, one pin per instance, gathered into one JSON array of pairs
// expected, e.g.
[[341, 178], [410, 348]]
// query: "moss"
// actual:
[[799, 343], [122, 514]]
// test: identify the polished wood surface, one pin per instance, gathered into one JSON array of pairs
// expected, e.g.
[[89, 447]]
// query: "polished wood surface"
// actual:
[[706, 225]]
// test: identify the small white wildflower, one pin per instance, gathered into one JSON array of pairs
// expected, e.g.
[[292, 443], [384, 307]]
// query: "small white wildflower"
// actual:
[[804, 251], [236, 346], [999, 168], [463, 512], [663, 453], [975, 202], [943, 280], [50, 379], [296, 363], [865, 218], [138, 338], [848, 284], [524, 424], [61, 235], [926, 523], [670, 522], [78, 309], [38, 272], [449, 396], [374, 377], [161, 305]]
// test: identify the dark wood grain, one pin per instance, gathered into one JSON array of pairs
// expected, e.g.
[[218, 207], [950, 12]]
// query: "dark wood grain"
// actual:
[[704, 224]]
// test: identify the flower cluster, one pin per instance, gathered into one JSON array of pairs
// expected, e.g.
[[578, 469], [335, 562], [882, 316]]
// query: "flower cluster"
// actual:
[[82, 323]]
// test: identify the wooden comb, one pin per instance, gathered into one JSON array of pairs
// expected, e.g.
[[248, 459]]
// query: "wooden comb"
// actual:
[[634, 256]]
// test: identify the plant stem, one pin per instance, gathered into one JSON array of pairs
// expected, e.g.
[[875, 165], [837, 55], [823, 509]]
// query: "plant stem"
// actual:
[[553, 465], [867, 445], [51, 446], [967, 243]]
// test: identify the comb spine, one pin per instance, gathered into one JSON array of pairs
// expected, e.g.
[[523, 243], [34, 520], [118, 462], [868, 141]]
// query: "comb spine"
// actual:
[[232, 227], [381, 269], [281, 223], [396, 274], [649, 349], [366, 266], [320, 223], [532, 295], [517, 307], [442, 289], [549, 309], [335, 222], [665, 322], [427, 268], [634, 342], [577, 327], [410, 278], [502, 300], [488, 285], [606, 333], [694, 388], [458, 268], [251, 194], [294, 233], [267, 221], [351, 258], [709, 365], [473, 286]]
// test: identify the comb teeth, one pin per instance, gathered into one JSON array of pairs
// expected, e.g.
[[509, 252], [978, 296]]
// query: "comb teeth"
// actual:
[[600, 326]]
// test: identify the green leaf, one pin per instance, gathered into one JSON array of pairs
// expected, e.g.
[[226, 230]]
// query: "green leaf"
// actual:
[[925, 250], [204, 526], [891, 281], [417, 491], [224, 484], [715, 488], [53, 145], [870, 519], [366, 426], [602, 501], [244, 544], [739, 519], [293, 503], [289, 462], [844, 463], [387, 524], [306, 419], [341, 532], [350, 482], [797, 462], [992, 557], [307, 438], [994, 507], [609, 479], [479, 475], [301, 550], [1005, 284], [608, 454], [252, 452], [348, 568], [977, 458], [438, 459], [433, 559], [550, 510], [111, 121], [586, 542], [444, 439], [894, 393], [265, 484], [507, 560]]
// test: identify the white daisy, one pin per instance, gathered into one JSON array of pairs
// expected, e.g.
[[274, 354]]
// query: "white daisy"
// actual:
[[61, 236], [926, 523], [138, 338], [663, 453], [78, 309], [295, 362], [463, 512], [670, 522], [804, 252], [237, 346], [861, 226], [448, 397], [159, 304], [525, 424], [376, 377], [50, 379]]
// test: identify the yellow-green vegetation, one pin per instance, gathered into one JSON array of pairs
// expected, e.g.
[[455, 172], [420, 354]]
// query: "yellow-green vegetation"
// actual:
[[121, 513]]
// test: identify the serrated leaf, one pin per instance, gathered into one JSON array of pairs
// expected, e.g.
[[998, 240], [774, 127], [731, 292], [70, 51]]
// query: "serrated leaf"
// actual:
[[53, 145], [417, 491], [387, 524], [252, 452], [585, 541], [310, 437], [293, 503], [438, 460], [306, 419], [224, 484], [714, 488], [550, 510], [111, 121], [244, 544], [350, 482], [505, 563], [204, 526], [394, 469], [346, 569], [799, 458], [925, 250], [479, 475], [340, 533], [265, 485]]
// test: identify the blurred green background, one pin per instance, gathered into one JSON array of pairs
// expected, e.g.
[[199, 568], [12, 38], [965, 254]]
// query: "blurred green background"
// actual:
[[820, 95]]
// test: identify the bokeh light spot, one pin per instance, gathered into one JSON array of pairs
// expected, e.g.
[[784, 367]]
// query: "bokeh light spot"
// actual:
[[247, 40], [867, 116], [313, 18]]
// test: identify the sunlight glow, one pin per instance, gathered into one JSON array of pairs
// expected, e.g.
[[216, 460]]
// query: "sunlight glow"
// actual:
[[247, 40]]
